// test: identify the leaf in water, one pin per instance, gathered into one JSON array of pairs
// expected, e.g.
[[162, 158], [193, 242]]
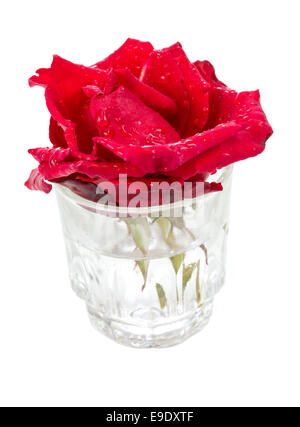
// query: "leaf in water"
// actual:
[[140, 231], [167, 229], [187, 274], [226, 228], [143, 266], [161, 296], [194, 205], [153, 219], [204, 248], [176, 261], [198, 290], [165, 226]]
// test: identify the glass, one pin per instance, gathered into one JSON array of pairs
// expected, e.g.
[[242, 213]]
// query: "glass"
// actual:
[[148, 278]]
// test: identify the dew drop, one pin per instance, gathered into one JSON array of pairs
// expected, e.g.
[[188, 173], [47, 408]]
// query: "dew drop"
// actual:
[[108, 133], [102, 120]]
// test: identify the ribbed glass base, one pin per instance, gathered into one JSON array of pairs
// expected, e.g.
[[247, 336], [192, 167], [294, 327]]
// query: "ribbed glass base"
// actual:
[[171, 331]]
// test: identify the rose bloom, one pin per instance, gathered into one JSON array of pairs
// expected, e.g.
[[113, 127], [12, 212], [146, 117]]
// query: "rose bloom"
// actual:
[[150, 114]]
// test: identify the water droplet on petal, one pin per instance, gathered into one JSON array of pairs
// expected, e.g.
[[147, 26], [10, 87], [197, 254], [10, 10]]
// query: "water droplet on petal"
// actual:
[[108, 133], [102, 120]]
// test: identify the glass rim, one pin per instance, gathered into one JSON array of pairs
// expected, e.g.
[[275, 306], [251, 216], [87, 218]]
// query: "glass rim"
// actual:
[[223, 173]]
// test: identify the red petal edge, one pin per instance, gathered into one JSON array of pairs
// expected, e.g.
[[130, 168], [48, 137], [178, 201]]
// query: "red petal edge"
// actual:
[[37, 182], [132, 54]]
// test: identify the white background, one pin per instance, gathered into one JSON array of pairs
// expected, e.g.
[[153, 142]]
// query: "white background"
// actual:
[[250, 352]]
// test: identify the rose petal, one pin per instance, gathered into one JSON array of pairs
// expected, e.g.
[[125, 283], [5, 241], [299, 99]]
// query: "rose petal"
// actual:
[[135, 124], [83, 156], [162, 72], [150, 96], [57, 137], [87, 190], [189, 148], [238, 148], [102, 170], [56, 134], [132, 54], [207, 71], [197, 89], [92, 90], [221, 98], [51, 155], [221, 106], [150, 158], [66, 80], [36, 182]]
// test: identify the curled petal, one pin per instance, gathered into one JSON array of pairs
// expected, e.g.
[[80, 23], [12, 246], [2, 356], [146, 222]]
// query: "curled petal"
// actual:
[[150, 96], [51, 155], [162, 72], [170, 71], [37, 182], [238, 148], [65, 100], [68, 78], [197, 89], [103, 170], [132, 54], [207, 71], [221, 98], [56, 134]]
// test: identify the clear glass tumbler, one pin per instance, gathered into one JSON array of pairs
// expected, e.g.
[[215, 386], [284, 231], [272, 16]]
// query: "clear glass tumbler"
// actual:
[[148, 278]]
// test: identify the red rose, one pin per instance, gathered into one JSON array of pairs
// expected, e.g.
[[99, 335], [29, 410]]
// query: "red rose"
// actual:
[[145, 113]]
